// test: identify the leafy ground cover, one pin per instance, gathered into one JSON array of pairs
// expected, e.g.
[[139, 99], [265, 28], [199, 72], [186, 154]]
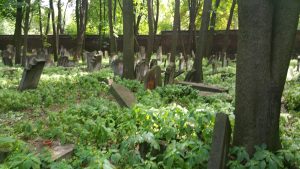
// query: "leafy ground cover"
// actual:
[[170, 127]]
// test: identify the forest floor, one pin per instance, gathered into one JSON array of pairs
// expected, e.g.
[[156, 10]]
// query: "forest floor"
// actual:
[[169, 127]]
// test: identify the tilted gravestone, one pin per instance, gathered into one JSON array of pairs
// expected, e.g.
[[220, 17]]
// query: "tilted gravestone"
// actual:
[[141, 69], [220, 142], [170, 74], [123, 95], [117, 66], [93, 61], [153, 78], [204, 87], [32, 73], [159, 53]]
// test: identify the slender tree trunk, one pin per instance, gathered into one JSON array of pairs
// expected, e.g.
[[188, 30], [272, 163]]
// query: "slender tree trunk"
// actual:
[[64, 19], [176, 27], [128, 39], [201, 42], [41, 24], [48, 22], [26, 29], [55, 38], [226, 38], [112, 38], [193, 9], [265, 42], [100, 24], [18, 32], [82, 26], [156, 18], [115, 11], [59, 18], [151, 30]]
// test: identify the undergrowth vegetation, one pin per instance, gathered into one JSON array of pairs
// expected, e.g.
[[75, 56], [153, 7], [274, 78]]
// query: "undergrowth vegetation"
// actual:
[[170, 127]]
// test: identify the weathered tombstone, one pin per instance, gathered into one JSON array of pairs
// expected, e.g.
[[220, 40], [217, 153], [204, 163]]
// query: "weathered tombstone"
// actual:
[[181, 62], [6, 59], [170, 74], [63, 61], [224, 60], [204, 87], [34, 52], [143, 52], [117, 66], [93, 61], [153, 62], [32, 73], [141, 69], [220, 142], [159, 53], [214, 64], [62, 152], [153, 78], [190, 75], [123, 95]]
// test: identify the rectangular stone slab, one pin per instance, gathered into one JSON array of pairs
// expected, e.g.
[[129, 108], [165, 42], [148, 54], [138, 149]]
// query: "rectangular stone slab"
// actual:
[[204, 87], [61, 152], [32, 74], [220, 142], [123, 95]]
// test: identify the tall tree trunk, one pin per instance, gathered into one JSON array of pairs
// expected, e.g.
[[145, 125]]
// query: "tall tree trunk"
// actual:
[[82, 26], [112, 38], [265, 42], [156, 18], [54, 29], [100, 24], [18, 32], [115, 11], [176, 27], [212, 29], [226, 38], [128, 39], [193, 10], [48, 22], [151, 30], [26, 29], [64, 19], [201, 42], [41, 24], [59, 18]]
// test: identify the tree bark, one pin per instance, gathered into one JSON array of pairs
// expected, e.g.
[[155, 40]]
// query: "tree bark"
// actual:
[[265, 42], [41, 24], [100, 24], [193, 10], [151, 30], [112, 38], [48, 22], [128, 39], [156, 18], [82, 26], [201, 42], [18, 32], [55, 38], [59, 18], [26, 29], [176, 27], [226, 39]]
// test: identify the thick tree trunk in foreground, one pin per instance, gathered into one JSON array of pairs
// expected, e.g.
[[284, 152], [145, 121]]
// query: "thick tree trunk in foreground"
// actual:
[[150, 41], [26, 29], [18, 32], [112, 38], [266, 38], [176, 27], [201, 42], [55, 44], [128, 39]]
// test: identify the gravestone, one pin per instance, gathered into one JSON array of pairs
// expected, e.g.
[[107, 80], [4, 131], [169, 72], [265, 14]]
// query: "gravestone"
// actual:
[[117, 66], [220, 142], [141, 69], [142, 52], [153, 78], [153, 62], [93, 61], [6, 59], [159, 53], [204, 87], [181, 62], [63, 61], [32, 73], [62, 152], [123, 95], [170, 74], [224, 60], [190, 75]]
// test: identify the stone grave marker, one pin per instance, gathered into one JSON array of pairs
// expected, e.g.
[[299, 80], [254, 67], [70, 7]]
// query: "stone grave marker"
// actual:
[[94, 61], [224, 60], [153, 78], [63, 61], [181, 63], [142, 52], [190, 75], [141, 69], [32, 73], [117, 66], [205, 87], [62, 152], [170, 74], [159, 53], [6, 59], [123, 95], [298, 65], [220, 142], [153, 62]]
